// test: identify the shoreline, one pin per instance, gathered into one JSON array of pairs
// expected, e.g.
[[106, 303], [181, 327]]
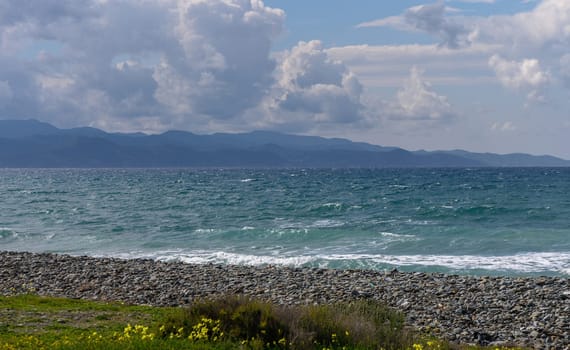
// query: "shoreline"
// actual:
[[527, 311]]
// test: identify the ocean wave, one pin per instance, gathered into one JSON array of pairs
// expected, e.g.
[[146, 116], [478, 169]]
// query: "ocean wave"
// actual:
[[222, 257], [205, 230], [332, 205], [304, 226], [396, 237], [528, 263], [522, 263], [326, 223]]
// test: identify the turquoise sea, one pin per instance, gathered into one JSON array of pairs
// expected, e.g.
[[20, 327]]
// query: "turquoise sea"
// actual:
[[467, 221]]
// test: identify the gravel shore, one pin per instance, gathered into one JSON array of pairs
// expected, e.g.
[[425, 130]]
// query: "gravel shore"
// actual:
[[532, 312]]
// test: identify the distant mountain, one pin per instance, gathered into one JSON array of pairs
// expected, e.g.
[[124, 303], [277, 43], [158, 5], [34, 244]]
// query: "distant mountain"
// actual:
[[25, 128], [30, 143], [511, 160]]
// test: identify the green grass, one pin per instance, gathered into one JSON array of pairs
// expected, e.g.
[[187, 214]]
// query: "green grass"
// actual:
[[33, 322]]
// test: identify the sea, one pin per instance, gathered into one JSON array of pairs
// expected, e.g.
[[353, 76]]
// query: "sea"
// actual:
[[480, 221]]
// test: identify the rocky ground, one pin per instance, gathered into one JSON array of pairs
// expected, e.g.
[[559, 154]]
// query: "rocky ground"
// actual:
[[531, 312]]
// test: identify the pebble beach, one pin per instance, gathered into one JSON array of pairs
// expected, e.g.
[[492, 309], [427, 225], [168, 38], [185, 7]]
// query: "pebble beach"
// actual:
[[524, 311]]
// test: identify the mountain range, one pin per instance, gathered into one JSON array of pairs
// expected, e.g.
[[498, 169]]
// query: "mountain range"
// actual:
[[31, 143]]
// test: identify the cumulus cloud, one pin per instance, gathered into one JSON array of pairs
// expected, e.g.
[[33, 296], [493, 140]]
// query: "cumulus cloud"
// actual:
[[521, 75], [172, 64], [79, 82], [226, 66], [416, 101], [312, 92], [545, 26], [315, 88], [188, 64]]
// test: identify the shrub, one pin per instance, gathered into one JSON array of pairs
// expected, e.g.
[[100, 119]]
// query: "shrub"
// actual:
[[359, 324]]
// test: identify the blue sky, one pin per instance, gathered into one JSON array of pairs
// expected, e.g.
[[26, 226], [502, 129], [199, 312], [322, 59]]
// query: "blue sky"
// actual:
[[481, 75]]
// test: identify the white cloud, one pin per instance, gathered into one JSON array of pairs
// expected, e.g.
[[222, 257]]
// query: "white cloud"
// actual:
[[417, 101], [546, 26], [226, 66], [188, 64], [314, 89], [521, 75], [174, 63]]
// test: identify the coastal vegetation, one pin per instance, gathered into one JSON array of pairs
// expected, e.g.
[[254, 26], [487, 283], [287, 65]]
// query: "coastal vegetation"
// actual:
[[29, 321]]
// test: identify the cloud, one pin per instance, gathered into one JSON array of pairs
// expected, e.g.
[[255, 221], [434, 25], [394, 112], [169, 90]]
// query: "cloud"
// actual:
[[172, 64], [545, 26], [430, 18], [80, 82], [416, 101], [312, 89], [521, 75], [188, 64], [226, 66], [542, 33]]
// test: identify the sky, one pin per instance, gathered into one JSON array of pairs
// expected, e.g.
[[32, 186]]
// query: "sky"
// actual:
[[479, 75]]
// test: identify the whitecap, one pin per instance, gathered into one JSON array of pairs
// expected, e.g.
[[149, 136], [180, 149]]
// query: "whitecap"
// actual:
[[522, 263], [288, 230], [247, 180], [222, 257], [326, 223], [335, 205], [558, 262], [396, 237], [391, 234], [204, 230]]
